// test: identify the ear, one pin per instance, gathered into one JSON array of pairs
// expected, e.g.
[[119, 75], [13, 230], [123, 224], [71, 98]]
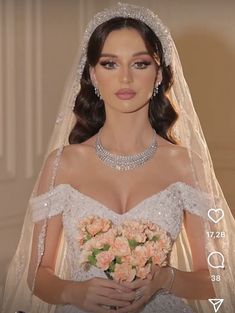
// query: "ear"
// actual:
[[92, 76], [159, 76]]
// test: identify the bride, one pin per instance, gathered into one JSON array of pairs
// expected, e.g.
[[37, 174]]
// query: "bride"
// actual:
[[127, 145]]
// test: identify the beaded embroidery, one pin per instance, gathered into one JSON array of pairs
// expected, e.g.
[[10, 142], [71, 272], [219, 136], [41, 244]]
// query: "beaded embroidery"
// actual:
[[128, 10]]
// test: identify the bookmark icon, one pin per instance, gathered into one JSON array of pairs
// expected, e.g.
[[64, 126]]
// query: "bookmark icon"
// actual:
[[216, 303]]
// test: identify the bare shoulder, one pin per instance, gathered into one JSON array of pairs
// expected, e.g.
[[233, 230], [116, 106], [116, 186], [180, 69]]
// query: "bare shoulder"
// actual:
[[178, 160], [72, 157], [76, 155], [170, 149]]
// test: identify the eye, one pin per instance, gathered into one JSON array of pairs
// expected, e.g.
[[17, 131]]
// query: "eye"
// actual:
[[108, 64], [111, 64], [142, 64]]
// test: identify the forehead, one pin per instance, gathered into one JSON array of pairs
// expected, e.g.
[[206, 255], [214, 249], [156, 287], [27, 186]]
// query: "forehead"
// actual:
[[124, 41]]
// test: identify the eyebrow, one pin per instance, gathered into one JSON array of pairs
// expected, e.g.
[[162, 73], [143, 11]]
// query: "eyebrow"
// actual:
[[115, 56]]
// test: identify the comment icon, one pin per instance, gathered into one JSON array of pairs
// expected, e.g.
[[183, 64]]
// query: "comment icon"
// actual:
[[216, 259]]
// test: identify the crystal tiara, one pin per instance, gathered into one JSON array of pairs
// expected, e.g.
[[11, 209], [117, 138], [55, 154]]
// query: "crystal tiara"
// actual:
[[127, 10]]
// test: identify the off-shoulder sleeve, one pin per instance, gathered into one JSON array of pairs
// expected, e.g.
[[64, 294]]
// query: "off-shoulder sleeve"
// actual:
[[195, 201], [48, 204]]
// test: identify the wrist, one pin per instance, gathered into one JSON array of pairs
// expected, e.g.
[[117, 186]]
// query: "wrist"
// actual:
[[170, 273], [67, 292]]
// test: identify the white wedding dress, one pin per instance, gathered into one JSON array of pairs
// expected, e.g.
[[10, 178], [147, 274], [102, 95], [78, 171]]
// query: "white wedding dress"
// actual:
[[165, 208]]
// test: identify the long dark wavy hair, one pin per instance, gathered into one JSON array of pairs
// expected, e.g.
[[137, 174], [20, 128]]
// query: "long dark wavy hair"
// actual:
[[90, 110]]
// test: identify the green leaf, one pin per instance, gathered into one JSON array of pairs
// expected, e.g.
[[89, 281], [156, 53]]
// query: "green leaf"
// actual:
[[132, 243], [96, 251], [112, 266], [155, 238], [118, 259], [92, 259], [88, 236], [106, 247]]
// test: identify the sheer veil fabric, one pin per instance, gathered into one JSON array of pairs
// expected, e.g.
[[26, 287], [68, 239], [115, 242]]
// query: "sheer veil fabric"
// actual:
[[17, 295]]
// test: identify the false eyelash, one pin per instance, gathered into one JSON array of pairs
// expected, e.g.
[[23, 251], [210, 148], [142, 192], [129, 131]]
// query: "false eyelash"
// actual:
[[104, 63]]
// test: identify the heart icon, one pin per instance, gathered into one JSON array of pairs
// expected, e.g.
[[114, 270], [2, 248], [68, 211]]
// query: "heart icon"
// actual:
[[215, 215]]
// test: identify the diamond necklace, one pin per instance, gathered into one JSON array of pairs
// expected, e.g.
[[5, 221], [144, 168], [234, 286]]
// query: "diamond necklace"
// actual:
[[125, 162]]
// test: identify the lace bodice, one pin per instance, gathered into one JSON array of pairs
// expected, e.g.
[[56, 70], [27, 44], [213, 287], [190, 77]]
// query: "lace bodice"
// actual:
[[164, 208]]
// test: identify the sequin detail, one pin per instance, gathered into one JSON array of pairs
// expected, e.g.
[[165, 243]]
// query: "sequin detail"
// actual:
[[165, 208]]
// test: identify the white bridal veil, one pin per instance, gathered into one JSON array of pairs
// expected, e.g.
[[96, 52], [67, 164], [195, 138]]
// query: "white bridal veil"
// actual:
[[17, 296]]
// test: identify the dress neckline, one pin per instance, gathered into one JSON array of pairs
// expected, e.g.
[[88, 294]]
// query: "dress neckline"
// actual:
[[64, 186], [132, 209]]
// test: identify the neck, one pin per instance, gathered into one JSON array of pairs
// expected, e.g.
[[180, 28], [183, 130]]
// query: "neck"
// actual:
[[125, 138]]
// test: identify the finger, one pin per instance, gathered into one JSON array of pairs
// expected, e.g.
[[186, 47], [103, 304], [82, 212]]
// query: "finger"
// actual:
[[150, 276], [111, 302], [129, 296], [101, 309], [136, 283], [134, 307], [112, 284], [114, 293]]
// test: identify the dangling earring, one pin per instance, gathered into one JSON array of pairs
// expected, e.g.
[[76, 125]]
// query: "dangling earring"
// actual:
[[155, 90], [97, 92]]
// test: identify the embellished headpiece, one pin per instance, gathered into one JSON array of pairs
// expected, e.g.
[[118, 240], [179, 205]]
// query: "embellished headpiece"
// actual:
[[128, 10], [202, 178]]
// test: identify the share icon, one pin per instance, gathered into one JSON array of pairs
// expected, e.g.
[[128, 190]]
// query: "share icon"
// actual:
[[216, 303]]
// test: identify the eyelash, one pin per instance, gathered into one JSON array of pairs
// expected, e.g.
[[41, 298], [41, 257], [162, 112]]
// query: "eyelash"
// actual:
[[105, 63]]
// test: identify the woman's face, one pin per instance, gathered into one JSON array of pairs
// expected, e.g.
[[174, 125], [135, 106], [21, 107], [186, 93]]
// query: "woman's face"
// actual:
[[125, 73]]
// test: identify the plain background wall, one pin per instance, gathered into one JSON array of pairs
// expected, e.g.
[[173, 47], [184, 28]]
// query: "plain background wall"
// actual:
[[38, 42]]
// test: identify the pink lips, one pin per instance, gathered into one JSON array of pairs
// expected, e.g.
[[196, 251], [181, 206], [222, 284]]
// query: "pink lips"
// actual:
[[125, 94]]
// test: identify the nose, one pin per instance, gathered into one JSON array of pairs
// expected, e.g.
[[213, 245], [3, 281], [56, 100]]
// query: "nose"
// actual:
[[125, 74]]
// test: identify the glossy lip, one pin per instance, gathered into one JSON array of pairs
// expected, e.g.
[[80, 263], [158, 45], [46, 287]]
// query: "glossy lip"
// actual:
[[125, 94], [125, 91]]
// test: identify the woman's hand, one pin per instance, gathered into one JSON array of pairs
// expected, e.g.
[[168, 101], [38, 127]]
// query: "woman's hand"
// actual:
[[93, 294], [159, 277]]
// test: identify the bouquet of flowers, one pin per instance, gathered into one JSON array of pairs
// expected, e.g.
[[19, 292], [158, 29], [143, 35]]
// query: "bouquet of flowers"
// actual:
[[124, 252]]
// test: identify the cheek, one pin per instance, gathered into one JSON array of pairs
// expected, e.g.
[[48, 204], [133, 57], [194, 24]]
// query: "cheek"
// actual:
[[107, 83], [146, 83], [143, 81]]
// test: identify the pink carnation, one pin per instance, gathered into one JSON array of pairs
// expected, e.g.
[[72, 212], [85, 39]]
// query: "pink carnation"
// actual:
[[98, 225], [140, 256], [143, 271], [134, 230], [100, 233], [84, 256], [159, 258], [124, 272], [103, 260], [120, 247], [106, 238]]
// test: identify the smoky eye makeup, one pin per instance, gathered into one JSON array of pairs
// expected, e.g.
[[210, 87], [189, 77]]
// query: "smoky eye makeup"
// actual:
[[141, 64]]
